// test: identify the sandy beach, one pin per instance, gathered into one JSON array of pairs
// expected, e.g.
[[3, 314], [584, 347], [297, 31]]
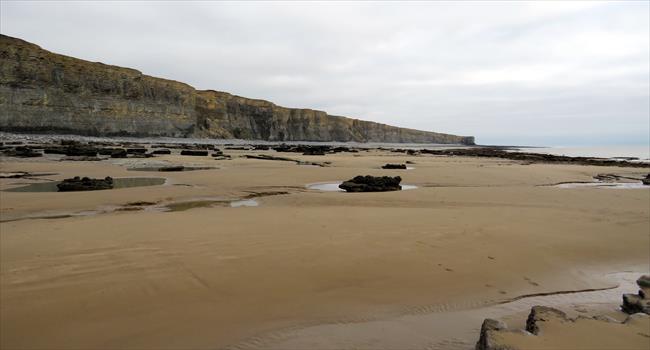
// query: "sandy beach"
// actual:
[[474, 233]]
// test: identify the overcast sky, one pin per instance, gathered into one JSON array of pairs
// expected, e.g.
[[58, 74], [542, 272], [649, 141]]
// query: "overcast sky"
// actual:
[[539, 73]]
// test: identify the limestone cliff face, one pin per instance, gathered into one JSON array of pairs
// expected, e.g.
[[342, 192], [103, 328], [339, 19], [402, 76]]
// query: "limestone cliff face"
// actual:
[[45, 92]]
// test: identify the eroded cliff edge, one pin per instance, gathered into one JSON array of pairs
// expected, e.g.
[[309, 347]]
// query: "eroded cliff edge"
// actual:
[[44, 92]]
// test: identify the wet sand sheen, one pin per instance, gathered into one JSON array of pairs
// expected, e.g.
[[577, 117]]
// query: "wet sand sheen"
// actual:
[[444, 326], [475, 232]]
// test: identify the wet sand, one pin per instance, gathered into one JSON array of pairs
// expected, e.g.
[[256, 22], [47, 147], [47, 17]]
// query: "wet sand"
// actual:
[[474, 233]]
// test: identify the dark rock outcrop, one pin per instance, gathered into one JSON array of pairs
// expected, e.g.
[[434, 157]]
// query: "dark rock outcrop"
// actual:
[[119, 153], [172, 168], [372, 184], [161, 151], [194, 152], [136, 150], [646, 180], [23, 152], [44, 92], [640, 302], [85, 184], [80, 151], [394, 166]]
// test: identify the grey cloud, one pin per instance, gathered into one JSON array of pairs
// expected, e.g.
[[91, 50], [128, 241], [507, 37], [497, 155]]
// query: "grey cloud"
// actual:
[[508, 72]]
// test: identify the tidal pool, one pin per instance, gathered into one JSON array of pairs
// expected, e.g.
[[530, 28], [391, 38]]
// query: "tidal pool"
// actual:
[[124, 182]]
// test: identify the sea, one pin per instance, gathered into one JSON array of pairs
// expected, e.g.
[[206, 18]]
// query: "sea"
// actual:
[[640, 153]]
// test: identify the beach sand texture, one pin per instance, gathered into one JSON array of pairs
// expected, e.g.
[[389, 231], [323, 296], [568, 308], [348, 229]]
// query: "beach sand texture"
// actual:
[[474, 233]]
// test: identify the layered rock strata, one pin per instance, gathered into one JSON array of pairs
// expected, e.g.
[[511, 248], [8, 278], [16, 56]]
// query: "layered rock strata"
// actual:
[[44, 92]]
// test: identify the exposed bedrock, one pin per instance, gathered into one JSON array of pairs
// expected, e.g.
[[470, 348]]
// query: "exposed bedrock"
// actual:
[[43, 92]]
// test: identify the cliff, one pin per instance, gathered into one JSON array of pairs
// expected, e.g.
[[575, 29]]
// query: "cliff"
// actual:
[[44, 92]]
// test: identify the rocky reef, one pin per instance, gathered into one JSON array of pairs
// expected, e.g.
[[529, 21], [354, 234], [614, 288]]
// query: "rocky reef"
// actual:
[[44, 92]]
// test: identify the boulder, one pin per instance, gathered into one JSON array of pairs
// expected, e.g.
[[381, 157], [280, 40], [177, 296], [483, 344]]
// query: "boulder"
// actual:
[[540, 314], [85, 184], [646, 180], [372, 184], [394, 166]]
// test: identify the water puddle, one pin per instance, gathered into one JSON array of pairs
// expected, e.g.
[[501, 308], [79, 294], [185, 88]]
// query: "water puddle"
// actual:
[[206, 202], [124, 182], [244, 203], [334, 186], [611, 185]]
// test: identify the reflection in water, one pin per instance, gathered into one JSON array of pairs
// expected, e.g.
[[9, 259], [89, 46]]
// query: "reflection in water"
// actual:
[[124, 182]]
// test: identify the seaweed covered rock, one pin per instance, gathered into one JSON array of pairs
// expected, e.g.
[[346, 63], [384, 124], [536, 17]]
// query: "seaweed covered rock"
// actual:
[[372, 184], [85, 184]]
